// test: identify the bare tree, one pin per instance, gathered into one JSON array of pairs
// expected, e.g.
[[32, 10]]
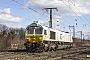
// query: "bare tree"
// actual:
[[22, 33]]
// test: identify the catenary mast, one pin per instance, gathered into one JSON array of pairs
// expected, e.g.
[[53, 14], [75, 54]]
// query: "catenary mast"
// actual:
[[50, 22]]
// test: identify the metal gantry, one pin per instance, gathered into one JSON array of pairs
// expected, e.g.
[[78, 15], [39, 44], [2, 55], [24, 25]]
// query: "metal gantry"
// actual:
[[50, 22]]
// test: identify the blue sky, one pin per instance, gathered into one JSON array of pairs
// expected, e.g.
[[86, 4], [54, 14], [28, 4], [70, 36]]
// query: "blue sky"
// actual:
[[17, 13]]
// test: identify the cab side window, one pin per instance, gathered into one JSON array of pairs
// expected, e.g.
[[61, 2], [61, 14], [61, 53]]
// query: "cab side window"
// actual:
[[45, 32]]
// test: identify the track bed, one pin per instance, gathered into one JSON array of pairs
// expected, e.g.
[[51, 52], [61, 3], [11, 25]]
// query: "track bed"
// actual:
[[71, 54]]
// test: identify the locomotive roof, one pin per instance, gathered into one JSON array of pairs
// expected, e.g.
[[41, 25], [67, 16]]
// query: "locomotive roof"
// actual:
[[34, 25], [42, 26]]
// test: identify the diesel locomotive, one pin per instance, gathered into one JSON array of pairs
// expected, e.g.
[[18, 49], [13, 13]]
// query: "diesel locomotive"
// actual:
[[42, 38]]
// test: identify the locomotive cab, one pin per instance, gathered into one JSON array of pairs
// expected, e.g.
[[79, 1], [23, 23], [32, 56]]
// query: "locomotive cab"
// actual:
[[34, 36], [34, 33]]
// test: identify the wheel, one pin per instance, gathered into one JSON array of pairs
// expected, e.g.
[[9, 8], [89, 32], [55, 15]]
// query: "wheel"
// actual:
[[45, 47]]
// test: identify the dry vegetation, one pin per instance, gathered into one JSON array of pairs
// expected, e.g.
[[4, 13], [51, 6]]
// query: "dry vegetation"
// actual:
[[9, 36]]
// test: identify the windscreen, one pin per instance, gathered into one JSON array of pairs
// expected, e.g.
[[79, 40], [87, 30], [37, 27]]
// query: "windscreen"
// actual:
[[30, 31], [38, 31]]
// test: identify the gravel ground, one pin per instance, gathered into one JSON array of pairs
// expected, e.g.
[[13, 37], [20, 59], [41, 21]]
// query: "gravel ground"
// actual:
[[69, 54]]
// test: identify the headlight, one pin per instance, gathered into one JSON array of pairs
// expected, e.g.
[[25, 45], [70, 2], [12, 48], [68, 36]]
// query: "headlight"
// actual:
[[34, 38], [28, 39], [40, 38]]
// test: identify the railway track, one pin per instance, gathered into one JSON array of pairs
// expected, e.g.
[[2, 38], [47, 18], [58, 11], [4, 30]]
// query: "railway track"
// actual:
[[52, 55]]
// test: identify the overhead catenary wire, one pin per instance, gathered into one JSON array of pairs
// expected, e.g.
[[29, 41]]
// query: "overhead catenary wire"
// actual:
[[40, 8], [23, 5], [29, 8], [80, 11], [74, 12]]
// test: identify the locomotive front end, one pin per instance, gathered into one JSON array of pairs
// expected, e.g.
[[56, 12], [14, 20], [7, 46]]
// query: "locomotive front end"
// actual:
[[34, 37]]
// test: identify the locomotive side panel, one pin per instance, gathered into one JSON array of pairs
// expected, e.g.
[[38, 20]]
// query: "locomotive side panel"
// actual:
[[66, 37]]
